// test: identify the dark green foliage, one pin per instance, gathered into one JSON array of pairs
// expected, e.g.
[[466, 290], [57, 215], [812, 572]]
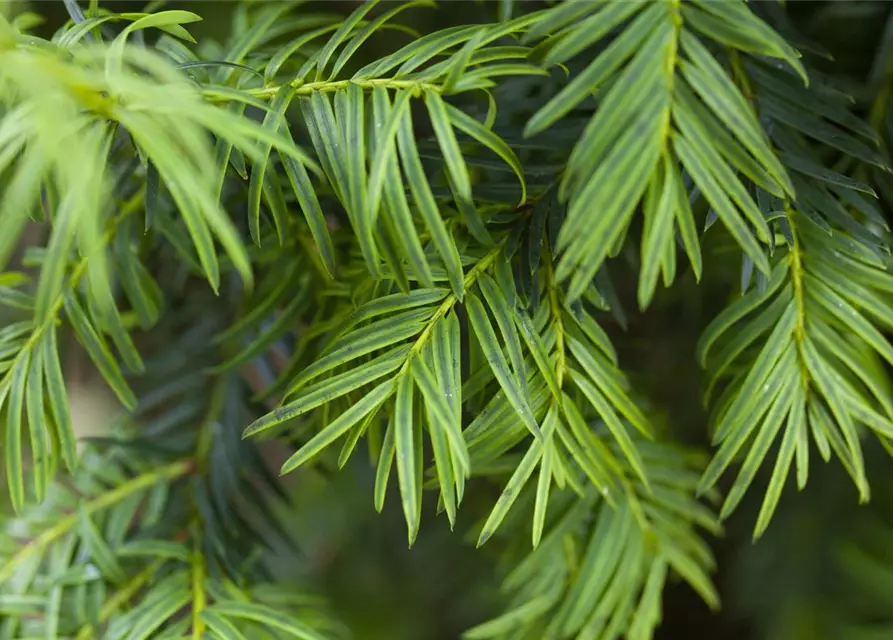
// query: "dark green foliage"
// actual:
[[331, 232]]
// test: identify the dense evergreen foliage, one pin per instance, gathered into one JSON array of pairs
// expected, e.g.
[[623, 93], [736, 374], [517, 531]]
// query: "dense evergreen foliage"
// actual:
[[350, 236]]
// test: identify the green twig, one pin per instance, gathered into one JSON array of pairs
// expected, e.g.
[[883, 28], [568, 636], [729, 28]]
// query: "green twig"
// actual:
[[120, 598], [106, 500]]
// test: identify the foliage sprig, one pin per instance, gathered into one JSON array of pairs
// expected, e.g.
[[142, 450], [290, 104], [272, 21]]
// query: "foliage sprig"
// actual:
[[413, 250]]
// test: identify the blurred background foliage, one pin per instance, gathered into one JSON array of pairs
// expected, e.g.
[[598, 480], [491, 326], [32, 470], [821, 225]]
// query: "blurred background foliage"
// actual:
[[785, 587]]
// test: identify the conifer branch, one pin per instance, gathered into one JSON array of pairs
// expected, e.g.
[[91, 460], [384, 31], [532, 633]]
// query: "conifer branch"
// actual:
[[103, 501], [409, 248]]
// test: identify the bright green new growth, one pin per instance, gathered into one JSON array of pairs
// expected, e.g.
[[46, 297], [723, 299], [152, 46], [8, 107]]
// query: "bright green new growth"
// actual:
[[412, 252]]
